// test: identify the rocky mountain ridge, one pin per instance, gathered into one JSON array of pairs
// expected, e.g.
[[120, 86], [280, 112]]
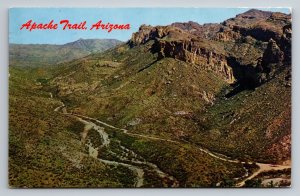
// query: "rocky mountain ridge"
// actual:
[[267, 34], [181, 85]]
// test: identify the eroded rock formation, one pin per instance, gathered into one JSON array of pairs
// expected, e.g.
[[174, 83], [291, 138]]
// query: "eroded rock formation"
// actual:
[[263, 37]]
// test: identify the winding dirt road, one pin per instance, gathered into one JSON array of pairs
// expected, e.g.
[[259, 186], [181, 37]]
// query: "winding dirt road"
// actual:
[[91, 122], [137, 163]]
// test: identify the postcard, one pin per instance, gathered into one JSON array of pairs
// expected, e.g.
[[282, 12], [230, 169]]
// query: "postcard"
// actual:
[[149, 97]]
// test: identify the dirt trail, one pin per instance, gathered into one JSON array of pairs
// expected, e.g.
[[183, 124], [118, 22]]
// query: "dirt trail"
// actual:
[[137, 163], [125, 130], [93, 152], [262, 166]]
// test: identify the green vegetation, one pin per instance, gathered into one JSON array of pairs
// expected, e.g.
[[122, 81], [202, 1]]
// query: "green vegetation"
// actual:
[[44, 147], [190, 166], [231, 127]]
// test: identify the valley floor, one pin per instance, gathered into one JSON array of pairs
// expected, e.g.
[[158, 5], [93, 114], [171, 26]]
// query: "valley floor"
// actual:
[[92, 123]]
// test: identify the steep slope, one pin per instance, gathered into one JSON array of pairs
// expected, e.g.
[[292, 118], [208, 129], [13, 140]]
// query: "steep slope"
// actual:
[[47, 54], [166, 77], [139, 88], [52, 150]]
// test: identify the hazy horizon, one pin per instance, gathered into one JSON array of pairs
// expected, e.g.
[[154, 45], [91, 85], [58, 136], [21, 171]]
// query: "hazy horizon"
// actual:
[[66, 42]]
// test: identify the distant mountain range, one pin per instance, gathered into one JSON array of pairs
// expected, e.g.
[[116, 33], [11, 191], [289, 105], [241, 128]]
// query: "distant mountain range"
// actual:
[[47, 54]]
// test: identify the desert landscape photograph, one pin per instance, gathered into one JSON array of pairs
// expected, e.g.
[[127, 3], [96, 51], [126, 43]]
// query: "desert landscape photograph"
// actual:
[[150, 98]]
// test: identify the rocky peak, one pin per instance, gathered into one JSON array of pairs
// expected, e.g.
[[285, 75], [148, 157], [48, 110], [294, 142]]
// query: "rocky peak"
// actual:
[[260, 25], [255, 14]]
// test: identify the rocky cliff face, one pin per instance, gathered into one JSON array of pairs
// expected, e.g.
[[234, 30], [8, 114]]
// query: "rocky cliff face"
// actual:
[[275, 57], [285, 42], [193, 52], [175, 43], [216, 47]]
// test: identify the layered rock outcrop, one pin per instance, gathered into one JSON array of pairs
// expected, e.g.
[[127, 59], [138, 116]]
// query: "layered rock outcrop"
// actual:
[[175, 43], [147, 32], [192, 52], [213, 46]]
